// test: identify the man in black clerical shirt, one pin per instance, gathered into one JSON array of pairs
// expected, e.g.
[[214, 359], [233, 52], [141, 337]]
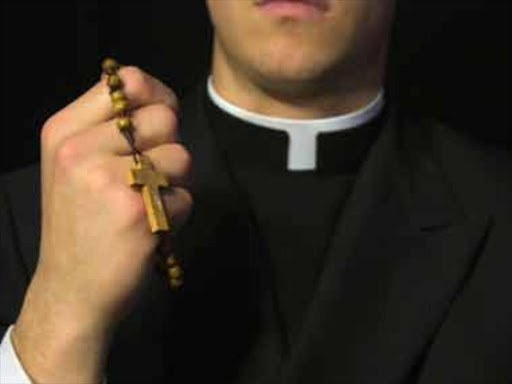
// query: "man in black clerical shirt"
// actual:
[[326, 236]]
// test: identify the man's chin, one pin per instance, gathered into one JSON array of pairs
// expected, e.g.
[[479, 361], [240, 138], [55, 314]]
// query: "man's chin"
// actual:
[[290, 83]]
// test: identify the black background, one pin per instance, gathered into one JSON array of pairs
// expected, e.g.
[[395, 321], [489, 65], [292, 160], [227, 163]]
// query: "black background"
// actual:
[[449, 59]]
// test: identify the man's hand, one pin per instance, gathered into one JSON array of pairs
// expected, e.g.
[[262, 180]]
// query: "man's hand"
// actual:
[[96, 243]]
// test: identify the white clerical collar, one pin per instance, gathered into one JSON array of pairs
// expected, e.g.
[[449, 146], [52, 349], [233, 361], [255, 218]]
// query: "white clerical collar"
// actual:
[[302, 133]]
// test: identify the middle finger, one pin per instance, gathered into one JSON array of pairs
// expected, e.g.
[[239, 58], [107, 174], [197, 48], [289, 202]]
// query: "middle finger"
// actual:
[[153, 125]]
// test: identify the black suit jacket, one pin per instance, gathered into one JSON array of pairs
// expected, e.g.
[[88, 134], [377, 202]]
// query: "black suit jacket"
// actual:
[[416, 287]]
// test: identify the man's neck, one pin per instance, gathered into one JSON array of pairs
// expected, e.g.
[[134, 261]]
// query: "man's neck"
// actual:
[[255, 95]]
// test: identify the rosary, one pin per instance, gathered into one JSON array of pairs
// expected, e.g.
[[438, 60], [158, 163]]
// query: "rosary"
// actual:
[[144, 177]]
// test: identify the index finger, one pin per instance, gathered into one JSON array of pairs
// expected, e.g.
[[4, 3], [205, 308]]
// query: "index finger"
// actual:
[[95, 106]]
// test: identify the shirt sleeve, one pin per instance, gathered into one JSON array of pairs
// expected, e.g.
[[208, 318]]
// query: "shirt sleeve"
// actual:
[[11, 370]]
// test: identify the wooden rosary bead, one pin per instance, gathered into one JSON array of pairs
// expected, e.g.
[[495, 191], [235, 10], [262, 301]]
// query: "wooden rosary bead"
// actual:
[[175, 283], [114, 82], [118, 96], [172, 261], [110, 66], [124, 123], [175, 273], [120, 106]]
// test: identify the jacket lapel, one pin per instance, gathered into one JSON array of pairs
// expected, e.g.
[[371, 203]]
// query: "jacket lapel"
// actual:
[[401, 252]]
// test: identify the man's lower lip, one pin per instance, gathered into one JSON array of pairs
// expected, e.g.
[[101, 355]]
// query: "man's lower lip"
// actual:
[[300, 10]]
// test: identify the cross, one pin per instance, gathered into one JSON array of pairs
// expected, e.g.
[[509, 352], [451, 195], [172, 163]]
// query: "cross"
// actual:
[[150, 181]]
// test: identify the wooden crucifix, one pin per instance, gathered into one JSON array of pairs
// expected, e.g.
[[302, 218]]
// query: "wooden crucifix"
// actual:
[[149, 181]]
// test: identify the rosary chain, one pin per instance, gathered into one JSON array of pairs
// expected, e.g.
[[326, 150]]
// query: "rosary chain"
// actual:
[[120, 103]]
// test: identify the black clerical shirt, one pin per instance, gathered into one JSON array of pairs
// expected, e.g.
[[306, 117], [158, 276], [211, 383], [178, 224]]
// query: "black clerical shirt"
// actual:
[[295, 211]]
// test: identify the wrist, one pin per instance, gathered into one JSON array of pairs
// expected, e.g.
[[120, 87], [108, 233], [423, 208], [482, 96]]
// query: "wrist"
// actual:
[[64, 354], [55, 345]]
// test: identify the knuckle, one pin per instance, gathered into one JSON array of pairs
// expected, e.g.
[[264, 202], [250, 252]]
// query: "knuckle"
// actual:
[[99, 179], [48, 134], [46, 137], [67, 154]]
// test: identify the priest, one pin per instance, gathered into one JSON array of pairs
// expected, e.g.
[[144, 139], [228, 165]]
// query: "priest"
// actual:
[[318, 232]]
